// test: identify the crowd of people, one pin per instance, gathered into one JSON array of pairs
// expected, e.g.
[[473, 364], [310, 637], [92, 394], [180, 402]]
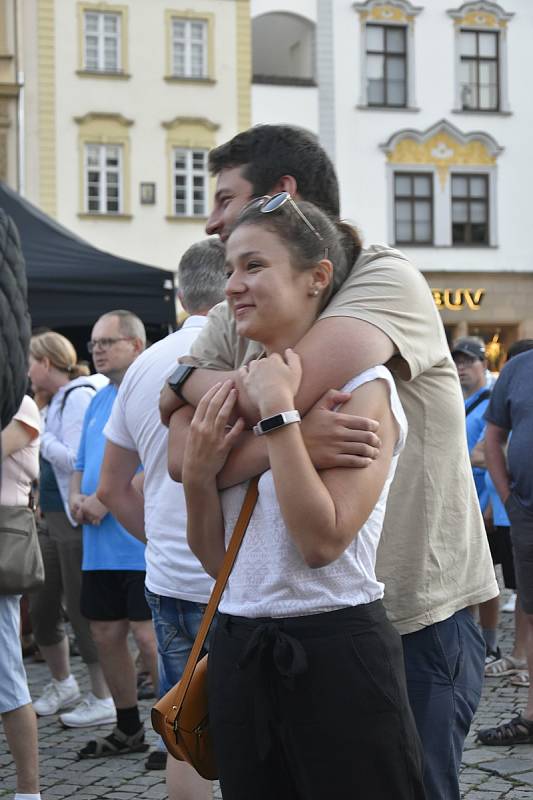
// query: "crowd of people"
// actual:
[[346, 641]]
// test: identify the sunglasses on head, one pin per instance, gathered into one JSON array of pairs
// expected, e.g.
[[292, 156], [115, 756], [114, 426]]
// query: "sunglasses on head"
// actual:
[[267, 204]]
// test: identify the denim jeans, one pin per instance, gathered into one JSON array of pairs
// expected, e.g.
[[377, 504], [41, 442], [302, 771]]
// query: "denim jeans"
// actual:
[[444, 668], [176, 624]]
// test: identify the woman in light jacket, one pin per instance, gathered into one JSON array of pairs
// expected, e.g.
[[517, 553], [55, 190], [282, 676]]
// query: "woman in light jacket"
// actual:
[[54, 369]]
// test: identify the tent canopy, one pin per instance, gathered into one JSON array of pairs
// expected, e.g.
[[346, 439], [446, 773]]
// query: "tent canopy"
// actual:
[[71, 283]]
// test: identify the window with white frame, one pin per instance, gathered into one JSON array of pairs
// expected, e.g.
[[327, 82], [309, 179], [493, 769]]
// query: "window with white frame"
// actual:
[[413, 208], [480, 70], [470, 209], [189, 48], [386, 65], [102, 45], [191, 180], [103, 178]]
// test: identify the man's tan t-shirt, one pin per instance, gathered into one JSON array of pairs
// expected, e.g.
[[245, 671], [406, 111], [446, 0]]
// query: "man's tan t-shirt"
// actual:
[[433, 555]]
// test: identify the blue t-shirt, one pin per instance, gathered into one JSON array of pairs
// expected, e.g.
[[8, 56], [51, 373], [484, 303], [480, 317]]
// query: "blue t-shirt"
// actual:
[[108, 545], [475, 431], [499, 514], [511, 408]]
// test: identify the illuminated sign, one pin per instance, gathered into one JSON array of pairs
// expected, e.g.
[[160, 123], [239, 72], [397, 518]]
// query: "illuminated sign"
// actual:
[[457, 299]]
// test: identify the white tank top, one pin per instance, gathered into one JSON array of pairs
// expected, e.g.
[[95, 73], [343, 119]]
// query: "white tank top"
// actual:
[[270, 577]]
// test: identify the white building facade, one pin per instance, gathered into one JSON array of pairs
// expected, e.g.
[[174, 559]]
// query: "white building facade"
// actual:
[[425, 110]]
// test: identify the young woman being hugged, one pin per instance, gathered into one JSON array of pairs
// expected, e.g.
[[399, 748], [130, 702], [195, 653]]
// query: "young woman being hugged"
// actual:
[[306, 679]]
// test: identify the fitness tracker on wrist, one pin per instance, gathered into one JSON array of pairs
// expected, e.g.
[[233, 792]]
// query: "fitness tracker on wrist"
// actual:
[[270, 424], [178, 378]]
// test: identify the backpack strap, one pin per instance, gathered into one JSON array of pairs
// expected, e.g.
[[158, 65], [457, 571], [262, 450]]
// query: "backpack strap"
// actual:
[[73, 389], [479, 399]]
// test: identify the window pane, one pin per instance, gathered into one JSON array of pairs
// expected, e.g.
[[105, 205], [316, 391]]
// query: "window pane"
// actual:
[[396, 68], [179, 159], [402, 185], [468, 43], [375, 39], [487, 45], [395, 40], [423, 232], [488, 97], [459, 211], [403, 211], [395, 93], [478, 212], [479, 233], [458, 233], [110, 23], [403, 232], [197, 31], [469, 95], [198, 159], [178, 28], [422, 186], [91, 23], [478, 187], [459, 186], [422, 211], [375, 67]]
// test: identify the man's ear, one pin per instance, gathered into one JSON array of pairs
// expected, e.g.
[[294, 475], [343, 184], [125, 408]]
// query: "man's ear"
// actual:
[[179, 293], [287, 183]]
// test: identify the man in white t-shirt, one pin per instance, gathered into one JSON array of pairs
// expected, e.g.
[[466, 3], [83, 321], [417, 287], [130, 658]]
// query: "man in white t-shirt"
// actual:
[[177, 588]]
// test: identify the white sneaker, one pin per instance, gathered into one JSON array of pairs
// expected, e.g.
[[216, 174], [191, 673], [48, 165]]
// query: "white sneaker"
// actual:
[[91, 711], [510, 604], [57, 695]]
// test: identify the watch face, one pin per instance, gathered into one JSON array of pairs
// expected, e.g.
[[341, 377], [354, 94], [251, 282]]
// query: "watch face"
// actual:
[[179, 375], [271, 423]]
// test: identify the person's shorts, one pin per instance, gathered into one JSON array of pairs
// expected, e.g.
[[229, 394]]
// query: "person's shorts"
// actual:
[[112, 594], [501, 550], [522, 538], [176, 624], [14, 691]]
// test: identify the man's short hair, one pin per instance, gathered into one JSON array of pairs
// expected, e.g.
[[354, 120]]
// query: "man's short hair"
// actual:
[[201, 275], [129, 323], [267, 152]]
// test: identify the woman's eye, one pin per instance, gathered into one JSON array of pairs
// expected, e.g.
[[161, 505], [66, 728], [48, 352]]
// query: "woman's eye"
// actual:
[[254, 265], [228, 275]]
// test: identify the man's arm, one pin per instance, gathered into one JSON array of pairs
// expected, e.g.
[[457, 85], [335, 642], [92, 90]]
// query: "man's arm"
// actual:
[[116, 492], [495, 444], [75, 497]]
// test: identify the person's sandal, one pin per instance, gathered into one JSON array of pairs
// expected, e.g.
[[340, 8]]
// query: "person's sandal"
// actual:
[[520, 678], [116, 744], [506, 665], [517, 731]]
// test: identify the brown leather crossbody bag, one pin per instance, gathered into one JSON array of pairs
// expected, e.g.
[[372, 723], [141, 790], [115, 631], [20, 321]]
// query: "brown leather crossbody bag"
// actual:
[[181, 717]]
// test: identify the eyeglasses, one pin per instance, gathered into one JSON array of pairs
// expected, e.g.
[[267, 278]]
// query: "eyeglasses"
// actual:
[[105, 343], [267, 204]]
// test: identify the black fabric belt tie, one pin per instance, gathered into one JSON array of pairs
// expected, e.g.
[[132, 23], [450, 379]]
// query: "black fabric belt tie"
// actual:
[[270, 651]]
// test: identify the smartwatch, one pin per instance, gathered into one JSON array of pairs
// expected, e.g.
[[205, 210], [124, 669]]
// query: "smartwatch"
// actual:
[[178, 378], [270, 424]]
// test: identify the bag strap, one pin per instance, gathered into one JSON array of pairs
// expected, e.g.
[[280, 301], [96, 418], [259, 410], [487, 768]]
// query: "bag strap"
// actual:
[[479, 399], [73, 389], [218, 589]]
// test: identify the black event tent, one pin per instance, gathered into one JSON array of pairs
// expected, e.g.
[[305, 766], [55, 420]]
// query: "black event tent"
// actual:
[[71, 283]]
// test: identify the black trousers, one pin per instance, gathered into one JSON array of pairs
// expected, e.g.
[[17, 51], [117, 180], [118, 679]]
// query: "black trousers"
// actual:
[[307, 708]]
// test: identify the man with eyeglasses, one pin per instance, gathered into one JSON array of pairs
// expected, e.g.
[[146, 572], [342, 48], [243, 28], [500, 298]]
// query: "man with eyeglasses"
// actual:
[[434, 564], [113, 566]]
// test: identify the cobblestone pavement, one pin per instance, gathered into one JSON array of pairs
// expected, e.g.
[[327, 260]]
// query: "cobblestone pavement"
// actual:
[[488, 773]]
